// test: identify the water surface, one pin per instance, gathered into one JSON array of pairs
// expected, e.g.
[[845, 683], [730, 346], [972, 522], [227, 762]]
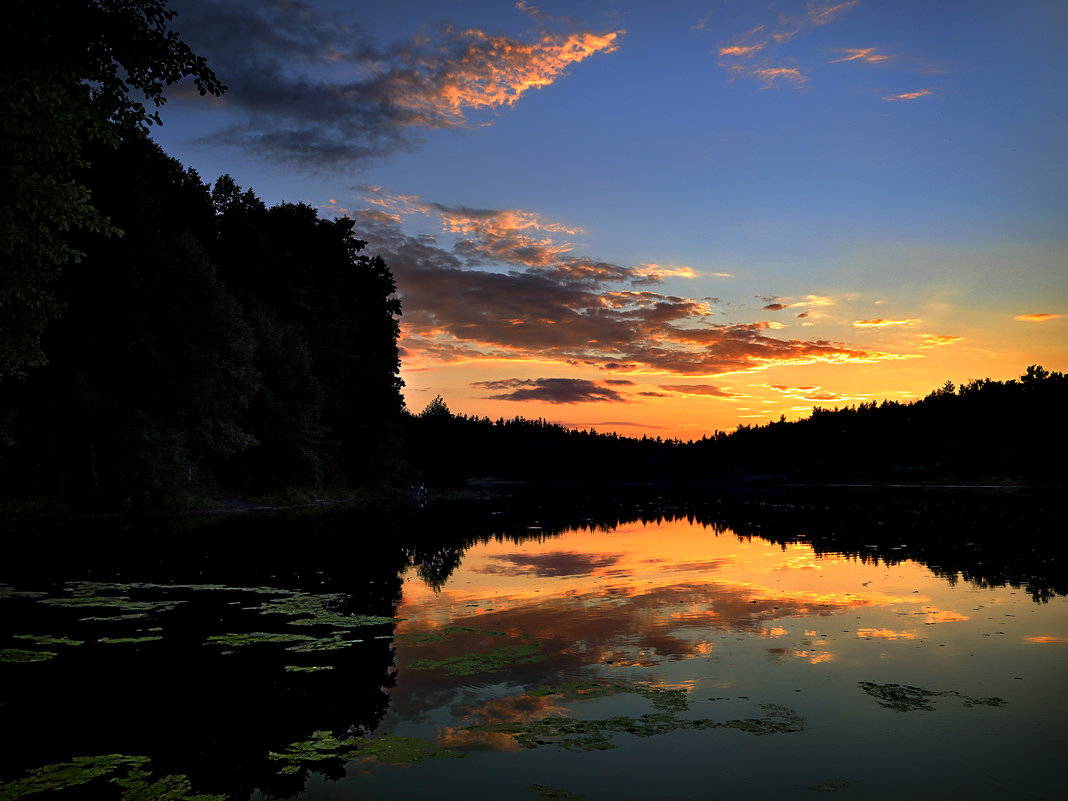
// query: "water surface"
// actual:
[[661, 655]]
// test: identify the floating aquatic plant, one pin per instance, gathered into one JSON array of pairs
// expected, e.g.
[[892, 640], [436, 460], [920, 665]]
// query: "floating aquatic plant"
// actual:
[[48, 639], [906, 698], [24, 655], [664, 699], [135, 782], [492, 662], [573, 734], [323, 746], [424, 637]]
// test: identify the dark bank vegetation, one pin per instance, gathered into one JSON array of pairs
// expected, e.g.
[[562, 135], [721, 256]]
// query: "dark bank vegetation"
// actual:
[[984, 431], [217, 343]]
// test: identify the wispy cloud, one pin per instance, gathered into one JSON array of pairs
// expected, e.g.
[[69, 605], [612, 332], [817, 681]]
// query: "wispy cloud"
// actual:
[[700, 389], [742, 50], [812, 393], [769, 75], [1037, 318], [935, 340], [880, 323], [905, 96], [866, 55], [308, 87]]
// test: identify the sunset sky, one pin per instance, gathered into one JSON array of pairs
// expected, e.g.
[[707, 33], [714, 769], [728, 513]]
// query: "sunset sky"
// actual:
[[667, 218]]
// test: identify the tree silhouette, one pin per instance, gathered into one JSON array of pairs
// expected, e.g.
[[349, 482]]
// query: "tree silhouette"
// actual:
[[71, 74]]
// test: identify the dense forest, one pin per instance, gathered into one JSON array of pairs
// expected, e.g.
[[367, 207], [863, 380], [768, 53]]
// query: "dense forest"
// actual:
[[217, 342], [164, 338]]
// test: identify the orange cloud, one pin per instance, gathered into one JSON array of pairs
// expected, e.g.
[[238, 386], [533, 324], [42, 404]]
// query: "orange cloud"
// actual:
[[1045, 639], [770, 74], [1037, 318], [700, 389], [880, 323], [489, 72], [376, 94], [822, 13], [866, 54], [555, 306], [742, 51], [910, 95], [934, 340], [807, 393], [660, 271]]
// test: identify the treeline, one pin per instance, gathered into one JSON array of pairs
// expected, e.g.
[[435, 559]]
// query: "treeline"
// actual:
[[217, 343], [986, 429]]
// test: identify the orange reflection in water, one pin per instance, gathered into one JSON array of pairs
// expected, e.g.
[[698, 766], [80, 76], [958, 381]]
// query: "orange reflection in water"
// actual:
[[645, 593]]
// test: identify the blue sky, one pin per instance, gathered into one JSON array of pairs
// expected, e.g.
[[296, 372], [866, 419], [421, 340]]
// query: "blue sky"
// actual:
[[668, 217]]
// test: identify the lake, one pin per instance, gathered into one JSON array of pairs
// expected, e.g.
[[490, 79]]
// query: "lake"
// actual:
[[557, 645]]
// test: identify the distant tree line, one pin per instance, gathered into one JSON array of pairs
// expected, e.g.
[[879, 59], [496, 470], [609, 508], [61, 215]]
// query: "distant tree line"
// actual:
[[986, 429]]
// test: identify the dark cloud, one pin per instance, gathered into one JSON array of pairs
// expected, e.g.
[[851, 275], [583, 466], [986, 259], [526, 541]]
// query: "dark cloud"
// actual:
[[776, 306], [550, 390], [621, 382], [699, 389], [304, 85], [457, 310], [551, 565]]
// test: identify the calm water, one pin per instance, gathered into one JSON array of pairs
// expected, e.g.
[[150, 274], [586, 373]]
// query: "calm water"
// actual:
[[666, 656]]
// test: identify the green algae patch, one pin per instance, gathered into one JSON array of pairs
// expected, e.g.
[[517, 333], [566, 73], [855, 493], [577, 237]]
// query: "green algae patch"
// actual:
[[97, 595], [257, 637], [906, 698], [323, 746], [543, 792], [17, 655], [307, 609], [129, 773], [777, 720], [48, 639], [62, 775], [333, 642], [662, 698], [398, 750], [307, 668], [492, 662], [7, 591], [573, 734], [129, 640], [425, 637]]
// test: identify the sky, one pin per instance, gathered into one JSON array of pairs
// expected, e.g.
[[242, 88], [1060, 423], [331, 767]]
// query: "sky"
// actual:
[[669, 218]]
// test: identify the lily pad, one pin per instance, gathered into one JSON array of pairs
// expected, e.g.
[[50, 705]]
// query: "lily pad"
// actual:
[[323, 746], [15, 655], [492, 662], [133, 778], [906, 698]]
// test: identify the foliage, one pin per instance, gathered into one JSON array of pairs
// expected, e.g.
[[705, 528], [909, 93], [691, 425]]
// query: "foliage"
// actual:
[[69, 69], [218, 342]]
